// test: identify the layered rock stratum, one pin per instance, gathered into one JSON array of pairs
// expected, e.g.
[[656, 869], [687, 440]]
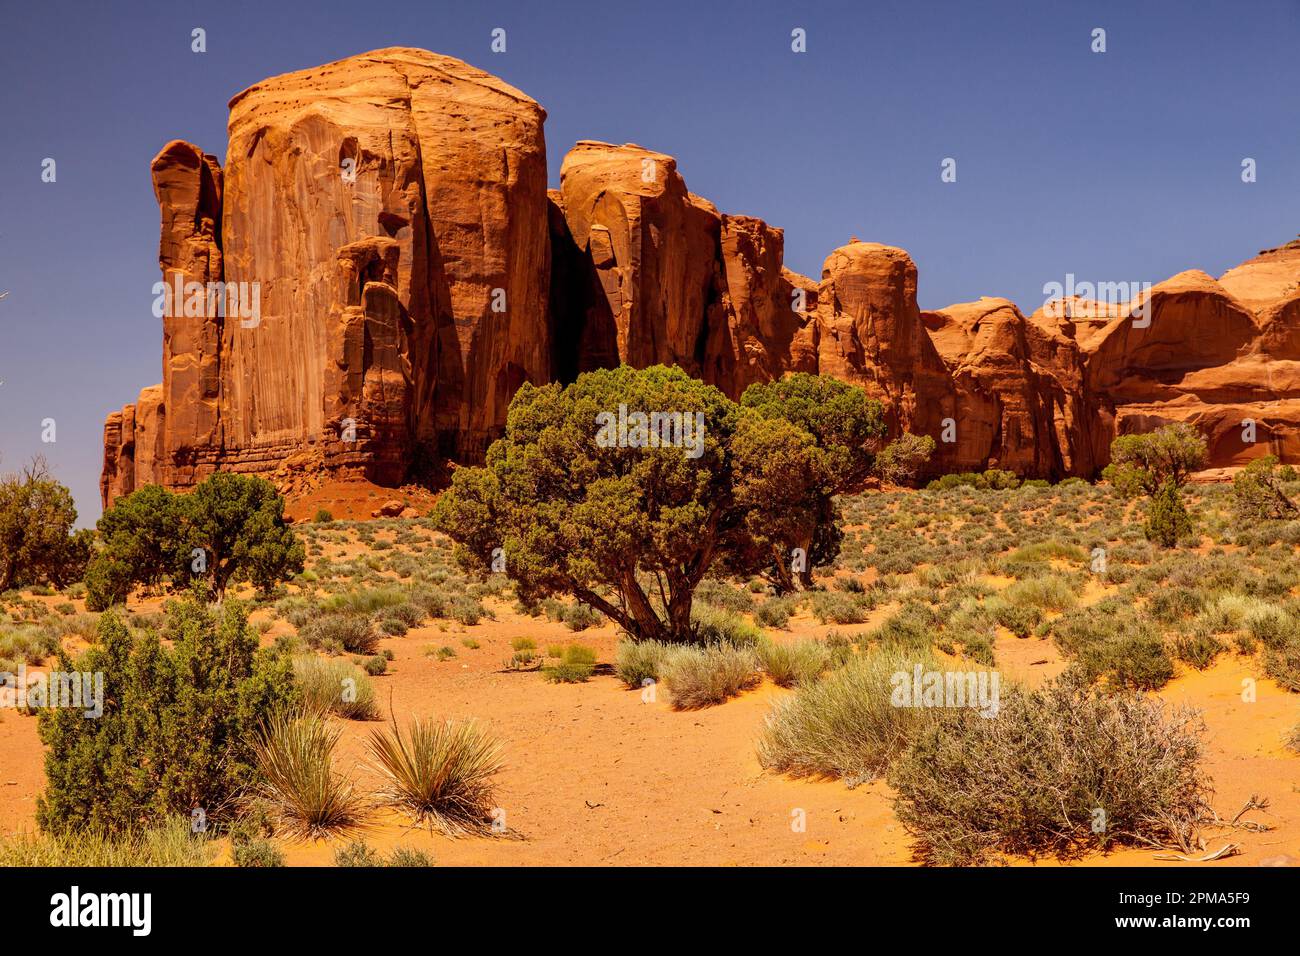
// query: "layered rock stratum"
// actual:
[[408, 270]]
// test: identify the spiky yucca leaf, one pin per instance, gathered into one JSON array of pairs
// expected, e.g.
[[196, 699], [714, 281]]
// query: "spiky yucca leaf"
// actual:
[[295, 758], [440, 772]]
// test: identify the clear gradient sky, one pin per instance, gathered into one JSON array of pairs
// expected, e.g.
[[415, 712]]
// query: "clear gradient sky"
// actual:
[[1120, 166]]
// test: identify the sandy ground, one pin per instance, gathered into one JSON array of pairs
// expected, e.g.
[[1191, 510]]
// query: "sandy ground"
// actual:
[[597, 776]]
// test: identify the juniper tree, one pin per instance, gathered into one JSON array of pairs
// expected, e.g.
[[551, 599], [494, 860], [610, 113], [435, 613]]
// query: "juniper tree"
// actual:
[[585, 496], [1157, 464]]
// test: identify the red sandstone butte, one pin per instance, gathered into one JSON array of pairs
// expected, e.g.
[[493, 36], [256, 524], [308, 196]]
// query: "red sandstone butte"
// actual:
[[413, 271]]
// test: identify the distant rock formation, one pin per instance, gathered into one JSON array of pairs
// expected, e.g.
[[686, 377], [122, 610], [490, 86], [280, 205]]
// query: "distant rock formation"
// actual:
[[379, 267]]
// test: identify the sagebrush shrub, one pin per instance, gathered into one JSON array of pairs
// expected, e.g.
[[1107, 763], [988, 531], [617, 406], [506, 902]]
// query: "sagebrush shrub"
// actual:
[[636, 662], [793, 663], [1060, 770], [335, 686]]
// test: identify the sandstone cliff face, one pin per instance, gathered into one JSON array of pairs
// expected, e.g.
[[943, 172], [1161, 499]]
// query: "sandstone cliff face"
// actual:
[[1220, 355], [403, 269], [393, 206], [386, 215], [188, 187], [867, 330], [650, 246], [1019, 389], [755, 313]]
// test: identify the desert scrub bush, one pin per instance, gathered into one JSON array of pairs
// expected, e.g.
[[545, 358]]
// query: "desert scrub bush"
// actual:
[[832, 607], [1030, 781], [28, 643], [1283, 664], [359, 853], [845, 725], [636, 662], [295, 760], [354, 633], [177, 724], [368, 601], [1199, 649], [721, 594], [1049, 593], [701, 676], [913, 626], [431, 599], [579, 617], [1291, 742], [1019, 619], [574, 666], [776, 611], [793, 663], [712, 625], [439, 772], [971, 628], [256, 852], [335, 686], [1112, 641], [375, 666], [1050, 550], [466, 610], [405, 856], [1175, 604], [171, 843], [993, 479]]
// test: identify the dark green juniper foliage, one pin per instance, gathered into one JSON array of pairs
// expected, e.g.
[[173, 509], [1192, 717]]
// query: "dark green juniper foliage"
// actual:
[[632, 531], [1157, 464], [237, 521], [177, 723], [37, 543]]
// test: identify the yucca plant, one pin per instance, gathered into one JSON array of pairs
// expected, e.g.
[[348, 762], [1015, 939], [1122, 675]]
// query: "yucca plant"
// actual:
[[440, 772], [295, 758]]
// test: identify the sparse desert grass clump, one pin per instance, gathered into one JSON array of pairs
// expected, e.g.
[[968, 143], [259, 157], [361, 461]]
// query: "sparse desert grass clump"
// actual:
[[794, 663], [636, 662], [308, 798], [845, 725], [1060, 771], [703, 676], [716, 626], [171, 843], [439, 772], [832, 607], [335, 686], [575, 665]]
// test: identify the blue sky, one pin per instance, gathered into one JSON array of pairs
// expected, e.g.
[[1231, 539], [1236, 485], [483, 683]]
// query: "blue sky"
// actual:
[[1118, 166]]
